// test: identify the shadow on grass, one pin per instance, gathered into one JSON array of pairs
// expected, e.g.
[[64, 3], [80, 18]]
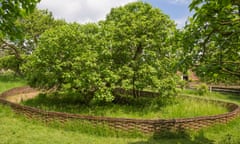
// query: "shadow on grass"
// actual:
[[176, 138]]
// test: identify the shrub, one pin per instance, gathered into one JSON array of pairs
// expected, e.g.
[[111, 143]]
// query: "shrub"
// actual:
[[67, 60], [183, 84], [10, 62], [202, 89]]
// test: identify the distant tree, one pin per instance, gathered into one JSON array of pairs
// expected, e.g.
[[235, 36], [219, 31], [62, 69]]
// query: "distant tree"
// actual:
[[33, 26], [212, 39], [139, 42], [10, 11]]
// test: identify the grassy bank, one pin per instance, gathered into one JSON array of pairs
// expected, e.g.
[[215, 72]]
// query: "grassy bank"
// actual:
[[15, 129]]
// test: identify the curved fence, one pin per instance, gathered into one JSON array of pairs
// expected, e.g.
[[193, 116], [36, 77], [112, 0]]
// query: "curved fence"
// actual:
[[143, 125]]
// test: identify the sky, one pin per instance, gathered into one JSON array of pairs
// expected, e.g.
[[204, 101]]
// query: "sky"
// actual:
[[84, 11]]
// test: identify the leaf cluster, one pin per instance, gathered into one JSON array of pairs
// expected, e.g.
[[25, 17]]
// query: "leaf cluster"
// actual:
[[10, 10]]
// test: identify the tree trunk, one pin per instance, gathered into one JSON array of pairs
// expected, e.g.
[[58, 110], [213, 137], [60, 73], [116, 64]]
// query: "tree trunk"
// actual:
[[133, 86]]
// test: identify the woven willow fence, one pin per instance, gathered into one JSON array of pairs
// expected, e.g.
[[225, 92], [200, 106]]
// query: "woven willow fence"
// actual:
[[143, 125]]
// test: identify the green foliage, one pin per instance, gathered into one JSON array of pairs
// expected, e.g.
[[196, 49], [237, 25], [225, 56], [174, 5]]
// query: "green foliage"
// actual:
[[67, 60], [33, 26], [183, 84], [167, 91], [10, 63], [202, 89], [132, 49], [139, 43], [10, 10], [211, 40]]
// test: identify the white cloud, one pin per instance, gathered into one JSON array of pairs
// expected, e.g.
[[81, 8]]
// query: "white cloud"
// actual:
[[180, 1], [81, 11], [181, 21]]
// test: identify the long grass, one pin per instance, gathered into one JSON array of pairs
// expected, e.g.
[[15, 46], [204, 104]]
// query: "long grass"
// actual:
[[141, 109]]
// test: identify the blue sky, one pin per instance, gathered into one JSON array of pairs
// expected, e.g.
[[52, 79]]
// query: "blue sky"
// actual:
[[84, 11], [176, 9]]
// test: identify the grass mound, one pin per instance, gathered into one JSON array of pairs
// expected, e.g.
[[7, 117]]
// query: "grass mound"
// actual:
[[142, 108]]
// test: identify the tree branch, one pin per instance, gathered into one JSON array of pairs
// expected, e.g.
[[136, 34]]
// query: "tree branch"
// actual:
[[7, 46]]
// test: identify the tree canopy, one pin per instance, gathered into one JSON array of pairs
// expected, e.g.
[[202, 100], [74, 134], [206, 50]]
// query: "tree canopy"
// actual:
[[212, 39], [140, 44], [131, 49]]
